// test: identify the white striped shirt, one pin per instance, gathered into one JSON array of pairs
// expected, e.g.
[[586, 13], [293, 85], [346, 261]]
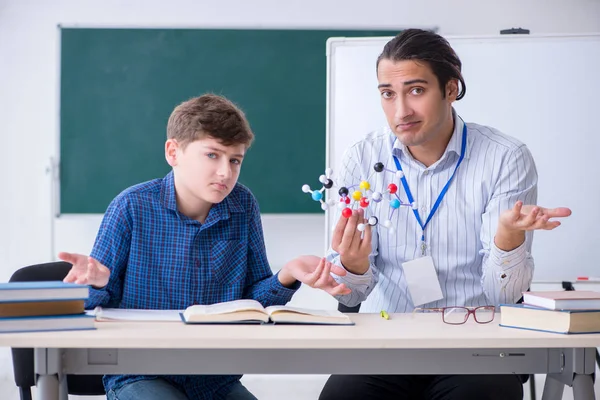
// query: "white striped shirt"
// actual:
[[497, 170]]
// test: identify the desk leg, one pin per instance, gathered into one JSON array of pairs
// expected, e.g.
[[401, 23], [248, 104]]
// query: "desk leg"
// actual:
[[47, 387], [583, 387], [553, 389], [51, 384]]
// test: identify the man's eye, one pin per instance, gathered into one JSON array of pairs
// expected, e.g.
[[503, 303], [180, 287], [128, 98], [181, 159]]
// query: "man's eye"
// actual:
[[386, 94], [417, 91]]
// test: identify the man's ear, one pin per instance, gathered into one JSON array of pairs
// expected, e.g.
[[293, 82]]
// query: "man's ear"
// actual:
[[171, 147], [452, 90]]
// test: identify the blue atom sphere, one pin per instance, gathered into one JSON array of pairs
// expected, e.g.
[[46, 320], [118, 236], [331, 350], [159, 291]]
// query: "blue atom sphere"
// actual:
[[395, 203], [317, 196]]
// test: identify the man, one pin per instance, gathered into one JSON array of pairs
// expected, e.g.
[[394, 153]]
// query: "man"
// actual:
[[470, 229], [193, 237]]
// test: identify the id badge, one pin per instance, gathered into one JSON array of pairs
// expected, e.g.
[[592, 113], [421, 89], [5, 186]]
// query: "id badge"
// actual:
[[423, 284]]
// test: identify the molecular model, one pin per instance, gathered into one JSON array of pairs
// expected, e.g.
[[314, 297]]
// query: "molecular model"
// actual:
[[361, 195]]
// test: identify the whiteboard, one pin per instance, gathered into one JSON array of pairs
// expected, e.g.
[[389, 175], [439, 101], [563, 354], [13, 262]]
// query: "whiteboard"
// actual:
[[542, 90]]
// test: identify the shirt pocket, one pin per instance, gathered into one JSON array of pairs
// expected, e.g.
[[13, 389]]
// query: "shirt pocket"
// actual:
[[228, 261]]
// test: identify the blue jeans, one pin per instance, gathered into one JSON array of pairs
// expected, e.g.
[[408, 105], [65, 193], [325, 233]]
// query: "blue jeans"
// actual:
[[160, 389]]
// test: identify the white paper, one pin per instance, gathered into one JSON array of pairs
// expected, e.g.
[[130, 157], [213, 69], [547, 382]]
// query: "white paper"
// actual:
[[423, 284], [122, 314]]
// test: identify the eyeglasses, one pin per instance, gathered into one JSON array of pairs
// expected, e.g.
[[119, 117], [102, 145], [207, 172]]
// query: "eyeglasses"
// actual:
[[459, 315]]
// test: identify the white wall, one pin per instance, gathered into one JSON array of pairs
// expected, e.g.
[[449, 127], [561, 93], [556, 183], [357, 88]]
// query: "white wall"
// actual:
[[29, 91]]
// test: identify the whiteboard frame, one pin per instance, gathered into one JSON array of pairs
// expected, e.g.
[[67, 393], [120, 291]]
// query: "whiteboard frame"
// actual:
[[337, 42]]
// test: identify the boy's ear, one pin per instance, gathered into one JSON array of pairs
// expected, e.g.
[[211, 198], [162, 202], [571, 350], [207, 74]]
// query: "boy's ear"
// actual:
[[171, 147]]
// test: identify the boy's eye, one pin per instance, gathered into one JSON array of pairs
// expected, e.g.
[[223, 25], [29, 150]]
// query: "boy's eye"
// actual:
[[235, 161], [211, 155]]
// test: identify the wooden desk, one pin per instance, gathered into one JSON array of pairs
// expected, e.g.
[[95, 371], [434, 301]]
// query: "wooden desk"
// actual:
[[405, 344]]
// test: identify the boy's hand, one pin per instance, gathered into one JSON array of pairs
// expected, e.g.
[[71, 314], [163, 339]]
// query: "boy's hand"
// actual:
[[350, 243], [85, 270], [314, 272]]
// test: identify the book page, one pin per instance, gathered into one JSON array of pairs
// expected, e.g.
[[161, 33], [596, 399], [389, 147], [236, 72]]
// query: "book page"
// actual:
[[321, 313], [226, 307]]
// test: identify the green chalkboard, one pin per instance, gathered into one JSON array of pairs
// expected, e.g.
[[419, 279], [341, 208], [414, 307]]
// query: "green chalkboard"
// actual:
[[119, 86]]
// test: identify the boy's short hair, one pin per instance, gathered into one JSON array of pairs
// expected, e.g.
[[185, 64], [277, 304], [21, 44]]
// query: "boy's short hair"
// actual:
[[209, 115]]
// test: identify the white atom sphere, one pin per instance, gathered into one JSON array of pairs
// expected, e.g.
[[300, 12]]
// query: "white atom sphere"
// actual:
[[306, 189], [376, 196], [341, 205], [332, 202], [324, 206], [328, 172], [323, 179], [372, 221], [392, 231], [361, 227], [414, 205], [387, 224], [399, 174]]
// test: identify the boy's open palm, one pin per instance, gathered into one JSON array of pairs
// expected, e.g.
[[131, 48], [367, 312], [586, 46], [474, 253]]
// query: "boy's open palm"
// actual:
[[85, 270]]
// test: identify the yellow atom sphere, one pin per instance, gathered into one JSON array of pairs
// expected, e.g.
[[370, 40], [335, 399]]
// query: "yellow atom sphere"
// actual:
[[357, 195], [364, 185]]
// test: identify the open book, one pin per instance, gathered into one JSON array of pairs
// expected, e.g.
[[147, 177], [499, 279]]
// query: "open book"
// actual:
[[249, 311]]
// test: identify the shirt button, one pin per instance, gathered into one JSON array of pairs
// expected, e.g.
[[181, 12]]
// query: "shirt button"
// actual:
[[426, 172]]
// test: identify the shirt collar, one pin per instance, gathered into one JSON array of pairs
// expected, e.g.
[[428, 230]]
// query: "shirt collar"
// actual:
[[454, 145], [219, 211], [167, 192]]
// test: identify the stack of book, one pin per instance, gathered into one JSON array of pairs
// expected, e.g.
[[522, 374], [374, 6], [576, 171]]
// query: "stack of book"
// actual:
[[43, 306], [559, 312]]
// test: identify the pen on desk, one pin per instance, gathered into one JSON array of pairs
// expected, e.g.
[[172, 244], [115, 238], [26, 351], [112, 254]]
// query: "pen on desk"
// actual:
[[384, 314], [588, 279]]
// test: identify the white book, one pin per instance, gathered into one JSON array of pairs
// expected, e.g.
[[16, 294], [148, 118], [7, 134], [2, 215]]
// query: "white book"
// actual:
[[137, 315], [248, 311]]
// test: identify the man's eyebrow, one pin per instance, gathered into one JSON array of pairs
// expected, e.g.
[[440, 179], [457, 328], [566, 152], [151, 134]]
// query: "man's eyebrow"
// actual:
[[221, 151], [406, 83], [413, 81]]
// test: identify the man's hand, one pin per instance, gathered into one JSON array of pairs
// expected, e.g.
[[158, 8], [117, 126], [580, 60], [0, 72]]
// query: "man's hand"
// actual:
[[85, 270], [314, 272], [353, 249], [515, 222]]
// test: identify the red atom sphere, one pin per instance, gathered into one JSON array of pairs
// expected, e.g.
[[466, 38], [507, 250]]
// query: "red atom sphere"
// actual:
[[392, 188], [364, 203], [347, 212]]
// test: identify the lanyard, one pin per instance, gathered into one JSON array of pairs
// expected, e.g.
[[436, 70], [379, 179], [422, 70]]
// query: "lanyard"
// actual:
[[442, 193]]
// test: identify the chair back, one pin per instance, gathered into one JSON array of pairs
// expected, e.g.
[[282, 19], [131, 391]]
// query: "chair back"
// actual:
[[23, 365]]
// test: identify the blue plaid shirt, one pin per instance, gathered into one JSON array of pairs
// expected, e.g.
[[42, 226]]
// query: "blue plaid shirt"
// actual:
[[161, 259]]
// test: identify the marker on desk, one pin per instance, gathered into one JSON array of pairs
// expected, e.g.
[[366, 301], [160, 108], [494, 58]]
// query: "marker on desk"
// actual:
[[384, 314], [588, 279]]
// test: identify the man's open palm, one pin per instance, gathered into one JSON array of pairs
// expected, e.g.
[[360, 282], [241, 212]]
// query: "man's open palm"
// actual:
[[530, 217]]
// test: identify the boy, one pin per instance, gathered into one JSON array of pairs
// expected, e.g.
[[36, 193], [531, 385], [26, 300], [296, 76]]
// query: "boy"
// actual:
[[193, 237]]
